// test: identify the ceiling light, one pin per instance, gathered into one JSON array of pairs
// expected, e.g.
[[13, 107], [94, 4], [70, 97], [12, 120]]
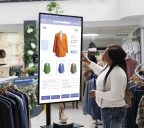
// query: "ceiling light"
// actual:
[[90, 34]]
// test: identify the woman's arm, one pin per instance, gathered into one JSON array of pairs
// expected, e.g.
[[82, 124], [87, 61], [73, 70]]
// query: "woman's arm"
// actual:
[[95, 67]]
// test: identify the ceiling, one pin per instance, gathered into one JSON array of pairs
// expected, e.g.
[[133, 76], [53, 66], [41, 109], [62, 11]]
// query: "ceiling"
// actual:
[[111, 31], [107, 34]]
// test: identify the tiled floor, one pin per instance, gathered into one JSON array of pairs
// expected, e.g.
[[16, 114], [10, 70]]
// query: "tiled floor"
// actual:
[[73, 114]]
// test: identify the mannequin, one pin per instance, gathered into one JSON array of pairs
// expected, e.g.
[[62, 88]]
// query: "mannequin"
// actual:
[[60, 46], [62, 116], [2, 57], [60, 34], [4, 68]]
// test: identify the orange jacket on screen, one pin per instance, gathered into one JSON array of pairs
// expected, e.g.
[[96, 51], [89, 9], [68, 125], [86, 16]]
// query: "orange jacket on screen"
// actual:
[[60, 47]]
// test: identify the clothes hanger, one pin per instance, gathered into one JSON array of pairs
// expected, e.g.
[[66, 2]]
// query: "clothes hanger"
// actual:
[[138, 69], [9, 88], [2, 91]]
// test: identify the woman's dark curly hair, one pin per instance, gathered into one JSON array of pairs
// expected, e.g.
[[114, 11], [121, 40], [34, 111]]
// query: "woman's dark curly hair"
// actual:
[[117, 55]]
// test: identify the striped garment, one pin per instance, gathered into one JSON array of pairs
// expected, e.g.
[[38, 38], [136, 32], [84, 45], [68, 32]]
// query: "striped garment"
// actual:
[[140, 113]]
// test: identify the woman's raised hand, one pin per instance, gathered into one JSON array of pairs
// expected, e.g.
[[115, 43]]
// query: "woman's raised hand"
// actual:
[[85, 59]]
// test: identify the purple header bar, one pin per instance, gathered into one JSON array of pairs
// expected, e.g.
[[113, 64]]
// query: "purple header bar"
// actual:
[[60, 20]]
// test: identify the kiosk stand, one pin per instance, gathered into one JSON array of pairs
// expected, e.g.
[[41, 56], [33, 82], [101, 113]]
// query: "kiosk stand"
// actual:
[[48, 116]]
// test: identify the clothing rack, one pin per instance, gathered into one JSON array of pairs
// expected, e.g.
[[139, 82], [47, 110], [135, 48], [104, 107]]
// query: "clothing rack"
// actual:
[[89, 104], [132, 48], [137, 70], [132, 39], [137, 93], [136, 86], [13, 108]]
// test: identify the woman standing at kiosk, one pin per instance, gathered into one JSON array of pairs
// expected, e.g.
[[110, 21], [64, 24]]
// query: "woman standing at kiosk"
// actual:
[[111, 85]]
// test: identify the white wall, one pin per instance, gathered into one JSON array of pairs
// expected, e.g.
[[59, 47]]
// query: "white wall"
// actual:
[[17, 12], [131, 8], [92, 11], [13, 44]]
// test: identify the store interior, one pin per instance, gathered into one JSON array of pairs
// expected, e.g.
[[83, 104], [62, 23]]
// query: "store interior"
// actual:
[[114, 22]]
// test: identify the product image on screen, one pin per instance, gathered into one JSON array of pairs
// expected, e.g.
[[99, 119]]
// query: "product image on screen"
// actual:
[[60, 44]]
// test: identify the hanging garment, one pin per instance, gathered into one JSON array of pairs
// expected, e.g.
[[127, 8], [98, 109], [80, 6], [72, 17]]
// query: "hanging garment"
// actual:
[[47, 68], [140, 113], [24, 105], [130, 120], [73, 68], [14, 110], [133, 49], [131, 64], [60, 47], [22, 112], [89, 103], [6, 116], [27, 106], [22, 119], [61, 68]]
